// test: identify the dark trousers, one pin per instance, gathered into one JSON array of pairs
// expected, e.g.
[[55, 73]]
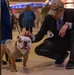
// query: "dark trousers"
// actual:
[[49, 48], [54, 48], [72, 47], [29, 29]]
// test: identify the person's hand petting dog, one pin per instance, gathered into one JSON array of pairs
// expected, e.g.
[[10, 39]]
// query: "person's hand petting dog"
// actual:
[[27, 33], [63, 30]]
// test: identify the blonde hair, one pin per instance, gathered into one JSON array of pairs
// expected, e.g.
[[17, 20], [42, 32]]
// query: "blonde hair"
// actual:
[[28, 8]]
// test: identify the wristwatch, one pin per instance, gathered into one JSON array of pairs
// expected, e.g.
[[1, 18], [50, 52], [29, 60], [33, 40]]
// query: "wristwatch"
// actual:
[[67, 23]]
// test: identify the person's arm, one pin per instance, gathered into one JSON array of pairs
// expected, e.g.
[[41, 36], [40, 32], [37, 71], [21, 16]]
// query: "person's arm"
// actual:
[[67, 25], [43, 30], [35, 38]]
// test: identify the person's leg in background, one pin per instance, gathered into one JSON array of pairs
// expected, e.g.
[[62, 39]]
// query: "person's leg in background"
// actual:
[[70, 64], [31, 29], [27, 28]]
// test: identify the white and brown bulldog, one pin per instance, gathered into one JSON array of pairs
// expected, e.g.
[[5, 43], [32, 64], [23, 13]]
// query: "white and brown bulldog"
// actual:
[[16, 49]]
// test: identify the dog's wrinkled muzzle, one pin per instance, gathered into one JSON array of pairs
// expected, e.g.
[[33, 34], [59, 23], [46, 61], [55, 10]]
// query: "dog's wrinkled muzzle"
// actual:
[[25, 43]]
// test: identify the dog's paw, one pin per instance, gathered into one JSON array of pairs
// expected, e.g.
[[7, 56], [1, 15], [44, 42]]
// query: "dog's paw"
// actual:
[[12, 70], [2, 67], [25, 68]]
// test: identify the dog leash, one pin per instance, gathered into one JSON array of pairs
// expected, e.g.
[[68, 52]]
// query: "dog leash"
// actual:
[[17, 27], [8, 5]]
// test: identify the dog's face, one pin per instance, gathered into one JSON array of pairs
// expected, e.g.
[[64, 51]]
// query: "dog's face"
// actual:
[[23, 43]]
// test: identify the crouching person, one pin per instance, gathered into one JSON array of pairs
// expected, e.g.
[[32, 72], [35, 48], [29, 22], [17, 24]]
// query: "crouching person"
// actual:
[[61, 22]]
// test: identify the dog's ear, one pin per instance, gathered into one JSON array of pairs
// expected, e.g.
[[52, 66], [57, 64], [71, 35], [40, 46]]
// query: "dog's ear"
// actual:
[[17, 37]]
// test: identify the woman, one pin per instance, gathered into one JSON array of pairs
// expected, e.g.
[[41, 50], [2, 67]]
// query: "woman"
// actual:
[[28, 18]]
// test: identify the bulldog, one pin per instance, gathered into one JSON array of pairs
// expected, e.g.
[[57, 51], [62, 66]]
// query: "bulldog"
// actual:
[[16, 49]]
